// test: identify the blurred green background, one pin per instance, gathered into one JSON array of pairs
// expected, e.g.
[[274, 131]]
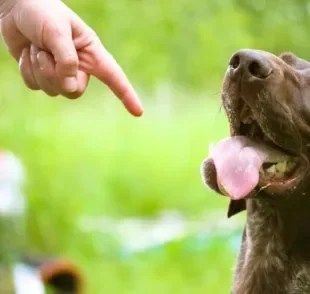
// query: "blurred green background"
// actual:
[[89, 157]]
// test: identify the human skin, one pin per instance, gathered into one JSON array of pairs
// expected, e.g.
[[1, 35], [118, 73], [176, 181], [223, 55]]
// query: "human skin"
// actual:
[[58, 52]]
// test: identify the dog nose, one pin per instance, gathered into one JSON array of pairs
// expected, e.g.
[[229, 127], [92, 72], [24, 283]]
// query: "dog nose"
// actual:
[[251, 63]]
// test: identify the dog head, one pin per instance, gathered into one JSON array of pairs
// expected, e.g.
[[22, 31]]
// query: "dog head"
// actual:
[[267, 102]]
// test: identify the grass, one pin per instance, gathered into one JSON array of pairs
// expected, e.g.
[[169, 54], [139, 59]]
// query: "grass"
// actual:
[[204, 272], [89, 157]]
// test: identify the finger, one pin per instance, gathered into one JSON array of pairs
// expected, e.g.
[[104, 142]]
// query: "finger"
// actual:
[[48, 70], [25, 68], [58, 40], [82, 81], [41, 80], [47, 65], [97, 61]]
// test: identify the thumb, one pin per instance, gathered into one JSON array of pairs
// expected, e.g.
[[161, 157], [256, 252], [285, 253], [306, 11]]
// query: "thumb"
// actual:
[[58, 40]]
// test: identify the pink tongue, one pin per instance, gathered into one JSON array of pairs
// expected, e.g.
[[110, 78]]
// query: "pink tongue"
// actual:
[[237, 164]]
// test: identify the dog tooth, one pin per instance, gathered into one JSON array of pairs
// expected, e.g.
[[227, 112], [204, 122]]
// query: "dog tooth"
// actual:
[[272, 169], [282, 166]]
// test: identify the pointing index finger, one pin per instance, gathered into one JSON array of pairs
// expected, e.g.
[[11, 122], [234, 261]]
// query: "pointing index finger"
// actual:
[[97, 61]]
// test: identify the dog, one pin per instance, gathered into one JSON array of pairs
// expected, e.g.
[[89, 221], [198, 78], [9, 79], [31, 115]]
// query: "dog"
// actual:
[[263, 168]]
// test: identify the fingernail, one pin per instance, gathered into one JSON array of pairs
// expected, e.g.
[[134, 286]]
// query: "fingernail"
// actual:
[[22, 57], [25, 52], [139, 109], [70, 84], [134, 106], [42, 59], [33, 58]]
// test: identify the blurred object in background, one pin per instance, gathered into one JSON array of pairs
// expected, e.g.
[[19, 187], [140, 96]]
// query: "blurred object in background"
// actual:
[[145, 235], [12, 209], [54, 275], [20, 274], [27, 280], [12, 178], [14, 278]]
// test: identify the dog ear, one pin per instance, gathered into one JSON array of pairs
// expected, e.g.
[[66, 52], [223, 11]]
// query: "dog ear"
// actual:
[[236, 206], [294, 61]]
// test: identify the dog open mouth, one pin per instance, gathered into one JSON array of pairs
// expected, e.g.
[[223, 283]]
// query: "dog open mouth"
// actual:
[[249, 161], [267, 112]]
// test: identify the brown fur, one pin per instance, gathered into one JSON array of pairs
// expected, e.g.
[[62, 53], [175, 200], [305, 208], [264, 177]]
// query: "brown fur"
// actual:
[[275, 250]]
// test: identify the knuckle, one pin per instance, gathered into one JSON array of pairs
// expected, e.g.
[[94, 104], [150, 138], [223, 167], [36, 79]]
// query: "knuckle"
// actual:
[[69, 61], [91, 33], [50, 30]]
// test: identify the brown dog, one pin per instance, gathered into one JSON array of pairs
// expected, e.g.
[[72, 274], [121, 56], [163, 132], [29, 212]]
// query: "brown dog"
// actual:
[[264, 169]]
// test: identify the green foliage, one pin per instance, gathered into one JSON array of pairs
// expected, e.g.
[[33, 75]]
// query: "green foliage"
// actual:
[[189, 43], [208, 271], [88, 157]]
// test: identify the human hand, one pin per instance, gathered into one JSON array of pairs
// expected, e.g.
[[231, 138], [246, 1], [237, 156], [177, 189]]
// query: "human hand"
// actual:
[[57, 52]]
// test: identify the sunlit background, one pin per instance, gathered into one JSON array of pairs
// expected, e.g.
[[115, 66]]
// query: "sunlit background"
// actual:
[[122, 197]]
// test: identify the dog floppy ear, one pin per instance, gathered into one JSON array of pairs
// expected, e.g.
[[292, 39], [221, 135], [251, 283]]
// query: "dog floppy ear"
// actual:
[[235, 206], [294, 61]]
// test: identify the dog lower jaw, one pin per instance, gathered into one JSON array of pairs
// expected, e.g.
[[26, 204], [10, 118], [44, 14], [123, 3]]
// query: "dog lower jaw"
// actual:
[[276, 187], [284, 185]]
